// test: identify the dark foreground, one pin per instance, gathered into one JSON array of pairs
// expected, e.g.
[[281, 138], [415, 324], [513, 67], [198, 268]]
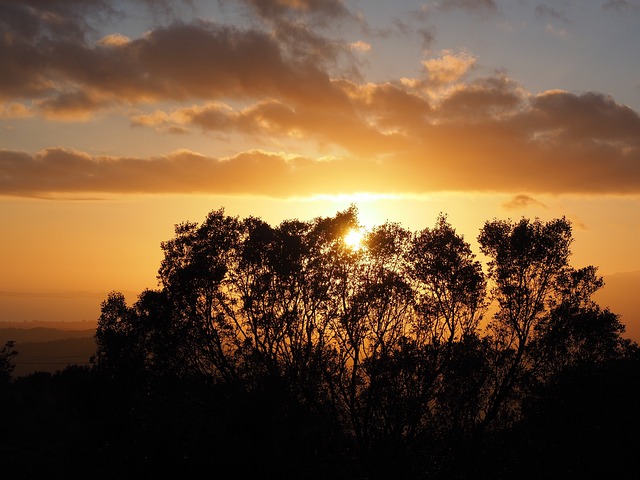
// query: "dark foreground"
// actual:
[[78, 423]]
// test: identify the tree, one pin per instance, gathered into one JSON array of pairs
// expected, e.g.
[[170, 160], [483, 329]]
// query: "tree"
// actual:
[[382, 347], [194, 275], [449, 281], [119, 351], [527, 260], [6, 356], [377, 303], [576, 331]]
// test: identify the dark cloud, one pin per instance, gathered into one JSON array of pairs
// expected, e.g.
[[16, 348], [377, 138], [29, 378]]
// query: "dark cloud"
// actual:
[[40, 19], [27, 27], [428, 37], [299, 41], [296, 24], [199, 60], [483, 100], [73, 105], [587, 118]]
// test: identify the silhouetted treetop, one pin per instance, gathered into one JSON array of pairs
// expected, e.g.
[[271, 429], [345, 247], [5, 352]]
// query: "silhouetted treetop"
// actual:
[[388, 340]]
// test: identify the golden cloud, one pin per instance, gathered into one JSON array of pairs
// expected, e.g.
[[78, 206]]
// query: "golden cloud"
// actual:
[[491, 157], [360, 46], [15, 110], [444, 130], [61, 171], [114, 40], [448, 68]]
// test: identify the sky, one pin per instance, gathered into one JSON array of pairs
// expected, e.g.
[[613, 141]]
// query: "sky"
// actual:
[[119, 120]]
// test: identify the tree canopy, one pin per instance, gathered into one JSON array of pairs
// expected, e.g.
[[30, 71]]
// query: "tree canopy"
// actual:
[[391, 341]]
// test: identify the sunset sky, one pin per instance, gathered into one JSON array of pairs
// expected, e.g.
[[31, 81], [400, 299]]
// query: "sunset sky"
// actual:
[[120, 119]]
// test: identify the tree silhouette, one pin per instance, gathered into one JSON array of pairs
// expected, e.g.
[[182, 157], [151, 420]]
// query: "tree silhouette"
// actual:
[[380, 349], [526, 260], [6, 356]]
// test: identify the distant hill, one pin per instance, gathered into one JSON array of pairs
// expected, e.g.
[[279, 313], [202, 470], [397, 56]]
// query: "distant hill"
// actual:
[[49, 324], [48, 349], [41, 334]]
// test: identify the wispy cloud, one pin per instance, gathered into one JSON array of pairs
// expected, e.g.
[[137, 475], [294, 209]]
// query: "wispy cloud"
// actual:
[[277, 9], [477, 6], [555, 31], [622, 6], [520, 202], [360, 46], [550, 12]]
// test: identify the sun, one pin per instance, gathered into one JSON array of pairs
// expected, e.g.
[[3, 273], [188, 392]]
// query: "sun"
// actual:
[[353, 239]]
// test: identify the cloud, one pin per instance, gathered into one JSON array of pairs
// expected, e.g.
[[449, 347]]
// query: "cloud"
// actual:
[[488, 134], [622, 6], [114, 40], [73, 106], [427, 37], [554, 31], [519, 202], [70, 19], [449, 67], [273, 119], [56, 170], [389, 106], [396, 142], [590, 118], [446, 129], [177, 62], [301, 42], [483, 99], [360, 46], [277, 9], [296, 26], [546, 11], [477, 6], [15, 110]]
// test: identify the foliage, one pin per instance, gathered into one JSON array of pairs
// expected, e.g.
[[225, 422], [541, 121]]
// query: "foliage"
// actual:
[[384, 348]]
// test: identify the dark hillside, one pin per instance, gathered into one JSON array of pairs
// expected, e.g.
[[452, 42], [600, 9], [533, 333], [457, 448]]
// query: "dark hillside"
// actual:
[[41, 334], [48, 349]]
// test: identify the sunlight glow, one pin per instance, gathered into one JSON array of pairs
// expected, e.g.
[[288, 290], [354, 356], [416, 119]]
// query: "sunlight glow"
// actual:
[[353, 239]]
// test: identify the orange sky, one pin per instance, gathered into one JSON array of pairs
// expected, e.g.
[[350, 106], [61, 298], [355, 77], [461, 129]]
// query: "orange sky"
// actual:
[[119, 120]]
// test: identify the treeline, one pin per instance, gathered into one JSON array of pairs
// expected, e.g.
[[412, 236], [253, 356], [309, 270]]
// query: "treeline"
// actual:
[[285, 351]]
